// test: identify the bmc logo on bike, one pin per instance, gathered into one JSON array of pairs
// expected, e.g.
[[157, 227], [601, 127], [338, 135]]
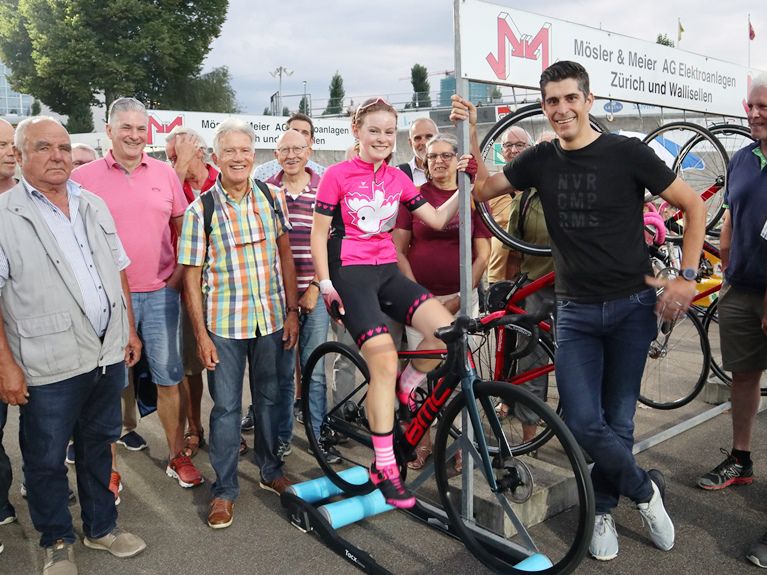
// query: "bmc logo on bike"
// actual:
[[157, 126], [512, 43]]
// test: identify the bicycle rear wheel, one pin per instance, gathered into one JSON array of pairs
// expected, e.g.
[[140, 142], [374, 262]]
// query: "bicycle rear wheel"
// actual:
[[525, 425], [542, 505], [344, 428], [677, 367], [697, 157]]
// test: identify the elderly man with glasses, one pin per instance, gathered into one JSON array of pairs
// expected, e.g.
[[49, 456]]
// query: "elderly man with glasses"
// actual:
[[504, 264], [298, 183]]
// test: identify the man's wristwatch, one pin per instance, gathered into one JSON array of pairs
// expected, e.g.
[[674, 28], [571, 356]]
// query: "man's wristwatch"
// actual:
[[690, 274], [293, 308], [315, 283]]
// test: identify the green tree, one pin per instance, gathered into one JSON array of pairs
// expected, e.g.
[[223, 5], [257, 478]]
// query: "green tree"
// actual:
[[665, 40], [419, 78], [209, 92], [285, 111], [35, 109], [337, 94], [80, 120], [267, 111], [496, 94], [65, 52], [303, 106]]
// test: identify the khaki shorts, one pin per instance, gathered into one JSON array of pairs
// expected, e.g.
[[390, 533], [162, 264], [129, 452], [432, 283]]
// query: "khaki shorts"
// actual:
[[744, 344], [192, 364]]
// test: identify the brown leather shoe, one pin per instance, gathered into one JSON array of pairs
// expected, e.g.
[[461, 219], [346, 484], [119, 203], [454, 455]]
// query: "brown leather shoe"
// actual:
[[278, 485], [221, 513]]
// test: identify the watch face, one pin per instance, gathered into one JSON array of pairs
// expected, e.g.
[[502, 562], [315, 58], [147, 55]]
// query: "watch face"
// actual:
[[689, 274]]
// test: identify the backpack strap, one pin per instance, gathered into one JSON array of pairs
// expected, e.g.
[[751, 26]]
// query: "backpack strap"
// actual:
[[208, 207], [406, 168], [524, 204]]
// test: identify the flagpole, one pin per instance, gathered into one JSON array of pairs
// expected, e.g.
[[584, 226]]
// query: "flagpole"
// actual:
[[749, 42]]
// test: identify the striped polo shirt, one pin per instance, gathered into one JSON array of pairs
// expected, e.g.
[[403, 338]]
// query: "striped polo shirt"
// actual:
[[241, 278], [300, 216]]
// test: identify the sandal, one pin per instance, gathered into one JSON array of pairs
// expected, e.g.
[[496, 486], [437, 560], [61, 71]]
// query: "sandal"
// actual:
[[422, 453], [502, 410], [193, 441], [458, 461]]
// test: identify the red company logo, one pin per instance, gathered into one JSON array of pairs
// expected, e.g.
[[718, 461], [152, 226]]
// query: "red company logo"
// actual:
[[158, 127], [513, 44]]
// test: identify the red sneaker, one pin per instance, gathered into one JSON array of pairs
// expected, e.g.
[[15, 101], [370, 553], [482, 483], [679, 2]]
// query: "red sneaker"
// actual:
[[115, 485], [182, 469]]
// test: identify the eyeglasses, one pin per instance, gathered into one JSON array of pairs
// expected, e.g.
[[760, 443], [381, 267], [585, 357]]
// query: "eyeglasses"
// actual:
[[517, 146], [446, 156], [297, 150]]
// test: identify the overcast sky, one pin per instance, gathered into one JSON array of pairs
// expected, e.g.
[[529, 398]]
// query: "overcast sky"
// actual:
[[374, 45]]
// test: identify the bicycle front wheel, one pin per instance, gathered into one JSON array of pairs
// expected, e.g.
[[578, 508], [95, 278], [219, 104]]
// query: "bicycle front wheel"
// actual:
[[677, 366], [526, 507]]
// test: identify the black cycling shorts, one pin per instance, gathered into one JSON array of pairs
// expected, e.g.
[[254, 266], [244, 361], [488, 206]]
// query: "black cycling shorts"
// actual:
[[370, 291]]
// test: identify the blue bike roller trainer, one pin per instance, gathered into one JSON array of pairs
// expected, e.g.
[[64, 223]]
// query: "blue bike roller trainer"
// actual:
[[322, 488], [347, 511], [535, 562]]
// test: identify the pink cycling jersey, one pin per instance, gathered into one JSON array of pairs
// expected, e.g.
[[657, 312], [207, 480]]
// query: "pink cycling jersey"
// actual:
[[364, 208]]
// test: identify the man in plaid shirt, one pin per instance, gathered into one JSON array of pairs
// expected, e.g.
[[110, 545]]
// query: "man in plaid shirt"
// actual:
[[243, 305]]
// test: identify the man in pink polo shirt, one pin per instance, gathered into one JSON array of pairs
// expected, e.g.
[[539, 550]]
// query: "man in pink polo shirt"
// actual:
[[145, 198]]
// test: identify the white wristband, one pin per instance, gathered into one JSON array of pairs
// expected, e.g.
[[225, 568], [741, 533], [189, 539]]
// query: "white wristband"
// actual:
[[326, 286]]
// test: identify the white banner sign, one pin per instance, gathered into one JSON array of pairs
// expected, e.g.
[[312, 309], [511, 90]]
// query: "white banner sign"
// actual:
[[329, 134], [505, 46]]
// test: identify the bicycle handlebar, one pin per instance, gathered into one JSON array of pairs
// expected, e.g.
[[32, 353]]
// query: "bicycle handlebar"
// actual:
[[466, 325]]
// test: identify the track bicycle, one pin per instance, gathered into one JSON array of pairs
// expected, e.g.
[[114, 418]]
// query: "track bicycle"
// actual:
[[502, 503]]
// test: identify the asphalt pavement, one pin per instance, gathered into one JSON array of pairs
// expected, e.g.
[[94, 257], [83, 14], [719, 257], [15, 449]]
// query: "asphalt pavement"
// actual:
[[714, 530]]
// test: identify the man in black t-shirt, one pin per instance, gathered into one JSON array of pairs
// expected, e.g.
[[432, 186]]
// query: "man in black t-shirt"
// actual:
[[591, 186]]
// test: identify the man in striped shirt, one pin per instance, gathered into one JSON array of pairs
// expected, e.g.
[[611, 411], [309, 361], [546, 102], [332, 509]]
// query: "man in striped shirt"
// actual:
[[242, 260], [299, 184]]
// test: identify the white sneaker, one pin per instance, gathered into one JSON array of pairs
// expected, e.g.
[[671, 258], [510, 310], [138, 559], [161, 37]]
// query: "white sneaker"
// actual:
[[604, 541], [654, 514]]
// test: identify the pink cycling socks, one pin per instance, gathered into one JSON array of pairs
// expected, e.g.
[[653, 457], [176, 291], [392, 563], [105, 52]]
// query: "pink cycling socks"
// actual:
[[384, 450]]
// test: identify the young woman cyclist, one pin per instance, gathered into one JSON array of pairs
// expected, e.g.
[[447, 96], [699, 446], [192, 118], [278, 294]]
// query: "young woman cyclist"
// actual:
[[356, 263]]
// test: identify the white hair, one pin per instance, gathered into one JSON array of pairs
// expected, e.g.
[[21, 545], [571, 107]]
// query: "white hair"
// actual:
[[197, 140], [125, 105], [20, 136], [86, 147], [759, 82], [525, 132], [233, 125]]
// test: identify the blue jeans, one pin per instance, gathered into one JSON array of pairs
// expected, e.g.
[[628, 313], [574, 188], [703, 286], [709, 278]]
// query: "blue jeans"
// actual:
[[6, 475], [263, 354], [312, 331], [158, 323], [601, 353], [87, 408]]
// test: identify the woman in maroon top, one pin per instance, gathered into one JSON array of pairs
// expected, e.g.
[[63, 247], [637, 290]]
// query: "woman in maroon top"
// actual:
[[431, 257]]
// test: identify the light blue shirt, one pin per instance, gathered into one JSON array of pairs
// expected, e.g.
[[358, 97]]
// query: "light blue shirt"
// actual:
[[266, 170], [70, 234]]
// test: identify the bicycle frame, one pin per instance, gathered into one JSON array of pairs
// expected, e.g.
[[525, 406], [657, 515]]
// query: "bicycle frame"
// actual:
[[502, 335], [458, 368]]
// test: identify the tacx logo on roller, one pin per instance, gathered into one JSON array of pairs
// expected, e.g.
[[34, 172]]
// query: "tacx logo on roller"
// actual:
[[513, 43], [159, 127]]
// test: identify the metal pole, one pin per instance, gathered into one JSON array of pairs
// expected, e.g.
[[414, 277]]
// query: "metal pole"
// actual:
[[464, 231]]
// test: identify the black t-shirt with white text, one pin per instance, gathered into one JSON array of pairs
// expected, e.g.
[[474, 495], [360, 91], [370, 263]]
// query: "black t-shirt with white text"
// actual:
[[593, 202]]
